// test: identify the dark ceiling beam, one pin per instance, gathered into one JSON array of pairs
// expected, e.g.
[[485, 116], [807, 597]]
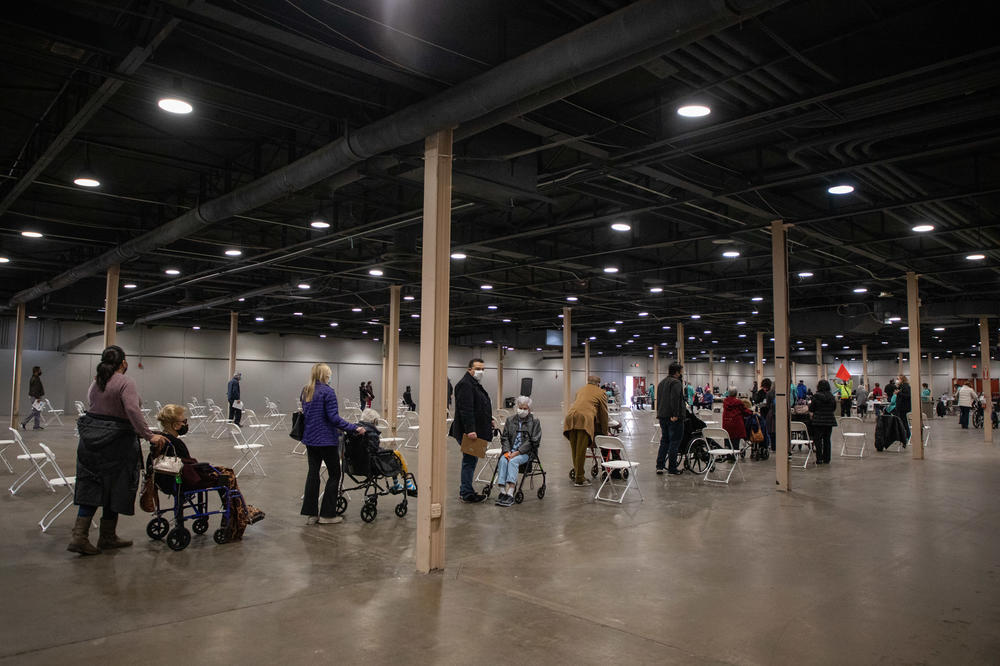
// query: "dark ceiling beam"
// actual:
[[135, 58]]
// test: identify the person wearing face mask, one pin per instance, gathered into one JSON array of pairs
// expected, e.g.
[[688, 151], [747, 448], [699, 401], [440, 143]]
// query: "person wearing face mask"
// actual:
[[899, 404], [671, 412], [233, 396], [473, 419], [519, 441], [108, 456], [36, 392]]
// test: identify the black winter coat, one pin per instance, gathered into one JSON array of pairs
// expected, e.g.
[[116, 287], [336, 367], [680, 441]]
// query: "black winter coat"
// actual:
[[108, 460], [823, 407], [473, 410], [903, 398]]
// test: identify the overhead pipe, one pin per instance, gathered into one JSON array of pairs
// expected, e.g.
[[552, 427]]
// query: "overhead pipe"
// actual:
[[630, 30], [214, 303]]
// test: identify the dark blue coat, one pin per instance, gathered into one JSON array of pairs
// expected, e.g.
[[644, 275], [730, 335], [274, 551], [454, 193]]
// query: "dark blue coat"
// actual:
[[233, 390], [322, 418]]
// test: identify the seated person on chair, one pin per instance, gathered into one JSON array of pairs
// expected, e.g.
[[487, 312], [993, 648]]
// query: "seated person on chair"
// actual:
[[368, 420], [522, 433], [173, 426]]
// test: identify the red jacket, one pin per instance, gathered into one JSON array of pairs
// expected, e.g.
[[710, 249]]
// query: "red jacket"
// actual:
[[733, 412]]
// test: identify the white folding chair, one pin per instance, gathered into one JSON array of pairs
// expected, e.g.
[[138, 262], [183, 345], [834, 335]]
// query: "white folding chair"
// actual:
[[627, 421], [195, 419], [926, 428], [798, 434], [625, 467], [33, 466], [852, 430], [386, 436], [258, 430], [80, 409], [411, 423], [196, 409], [4, 443], [655, 437], [489, 465], [60, 479], [220, 422], [47, 408], [209, 404], [720, 447], [273, 413], [248, 451]]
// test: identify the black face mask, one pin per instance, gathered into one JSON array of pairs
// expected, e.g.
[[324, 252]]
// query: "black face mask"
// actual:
[[183, 430]]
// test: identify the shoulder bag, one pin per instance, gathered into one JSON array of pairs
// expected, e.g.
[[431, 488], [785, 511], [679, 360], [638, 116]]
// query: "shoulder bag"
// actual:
[[298, 426]]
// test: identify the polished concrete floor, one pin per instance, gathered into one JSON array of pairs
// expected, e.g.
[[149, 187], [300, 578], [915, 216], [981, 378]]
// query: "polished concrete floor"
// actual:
[[882, 560]]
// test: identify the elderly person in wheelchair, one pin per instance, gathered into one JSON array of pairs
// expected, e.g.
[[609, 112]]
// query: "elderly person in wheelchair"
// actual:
[[522, 433]]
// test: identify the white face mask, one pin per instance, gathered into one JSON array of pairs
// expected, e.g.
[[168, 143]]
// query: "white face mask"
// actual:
[[522, 413], [478, 374]]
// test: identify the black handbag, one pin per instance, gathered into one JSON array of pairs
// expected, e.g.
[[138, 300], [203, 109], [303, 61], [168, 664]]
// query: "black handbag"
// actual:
[[298, 426]]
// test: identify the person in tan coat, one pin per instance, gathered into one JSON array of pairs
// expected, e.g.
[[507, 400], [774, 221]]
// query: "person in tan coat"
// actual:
[[587, 417]]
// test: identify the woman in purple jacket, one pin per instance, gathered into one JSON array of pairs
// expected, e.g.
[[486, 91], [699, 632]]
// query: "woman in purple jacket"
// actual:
[[322, 421]]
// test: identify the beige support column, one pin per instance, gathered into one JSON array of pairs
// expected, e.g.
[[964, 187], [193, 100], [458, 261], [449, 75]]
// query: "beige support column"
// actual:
[[567, 359], [392, 356], [434, 295], [111, 306], [916, 415], [656, 376], [386, 399], [793, 375], [758, 364], [864, 365], [711, 370], [501, 352], [680, 344], [820, 368], [234, 324], [586, 359], [984, 353], [779, 275], [15, 382]]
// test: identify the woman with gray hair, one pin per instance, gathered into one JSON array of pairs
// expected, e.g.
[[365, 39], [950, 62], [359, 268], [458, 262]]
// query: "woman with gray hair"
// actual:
[[522, 433], [369, 420]]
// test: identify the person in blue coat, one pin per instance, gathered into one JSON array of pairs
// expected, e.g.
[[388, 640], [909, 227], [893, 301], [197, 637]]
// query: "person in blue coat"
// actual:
[[322, 439], [233, 396]]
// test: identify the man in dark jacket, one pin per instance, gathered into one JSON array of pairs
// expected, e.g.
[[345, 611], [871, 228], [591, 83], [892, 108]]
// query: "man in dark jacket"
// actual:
[[233, 395], [36, 392], [473, 419], [823, 421], [670, 411]]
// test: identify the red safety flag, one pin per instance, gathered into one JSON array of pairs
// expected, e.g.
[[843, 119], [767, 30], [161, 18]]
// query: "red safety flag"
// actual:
[[842, 374]]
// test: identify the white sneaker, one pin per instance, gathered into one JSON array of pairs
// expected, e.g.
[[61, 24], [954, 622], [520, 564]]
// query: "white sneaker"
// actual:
[[331, 521], [312, 520]]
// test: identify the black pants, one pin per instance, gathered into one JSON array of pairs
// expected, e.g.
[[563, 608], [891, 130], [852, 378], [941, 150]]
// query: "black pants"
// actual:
[[234, 414], [845, 406], [310, 501], [822, 443]]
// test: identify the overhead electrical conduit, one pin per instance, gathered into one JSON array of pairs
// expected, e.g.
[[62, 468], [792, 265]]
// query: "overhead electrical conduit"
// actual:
[[635, 28]]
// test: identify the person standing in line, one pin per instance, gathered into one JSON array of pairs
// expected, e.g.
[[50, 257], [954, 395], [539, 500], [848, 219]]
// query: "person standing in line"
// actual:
[[322, 442], [362, 395], [670, 412], [586, 418], [846, 389], [801, 390], [473, 419], [371, 393], [926, 404], [233, 396], [877, 397], [108, 455], [965, 398], [900, 405], [821, 410], [36, 392], [862, 401]]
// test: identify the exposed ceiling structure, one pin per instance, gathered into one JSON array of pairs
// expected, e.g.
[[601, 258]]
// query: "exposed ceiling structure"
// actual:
[[896, 98]]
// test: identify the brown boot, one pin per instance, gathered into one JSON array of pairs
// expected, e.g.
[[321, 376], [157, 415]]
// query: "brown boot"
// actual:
[[80, 543], [108, 538]]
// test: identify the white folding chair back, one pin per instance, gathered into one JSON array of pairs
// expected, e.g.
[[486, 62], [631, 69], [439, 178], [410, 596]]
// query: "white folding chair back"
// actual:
[[80, 409], [4, 443], [273, 413], [654, 438], [36, 465], [59, 479], [158, 405], [926, 428], [220, 421], [720, 446], [625, 467], [852, 432], [798, 435], [411, 423], [209, 403], [258, 430], [55, 414], [248, 451], [195, 418]]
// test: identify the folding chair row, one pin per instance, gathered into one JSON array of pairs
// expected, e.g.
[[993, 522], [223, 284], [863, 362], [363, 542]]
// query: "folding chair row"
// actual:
[[36, 465]]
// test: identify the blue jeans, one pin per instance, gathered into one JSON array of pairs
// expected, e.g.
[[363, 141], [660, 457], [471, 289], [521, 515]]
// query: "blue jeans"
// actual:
[[507, 469], [671, 434], [963, 417], [468, 471], [35, 414]]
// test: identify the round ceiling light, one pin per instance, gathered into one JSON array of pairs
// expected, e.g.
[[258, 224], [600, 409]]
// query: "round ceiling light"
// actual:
[[175, 105], [319, 224], [975, 257], [258, 319], [840, 189], [923, 228], [610, 269], [486, 286], [376, 272], [805, 274], [409, 297], [695, 316], [730, 254], [130, 285], [643, 314], [355, 309], [234, 253], [334, 324], [656, 290], [860, 290], [4, 260], [172, 271], [458, 255], [694, 111], [303, 285], [621, 226], [87, 181], [31, 234], [572, 299], [757, 299]]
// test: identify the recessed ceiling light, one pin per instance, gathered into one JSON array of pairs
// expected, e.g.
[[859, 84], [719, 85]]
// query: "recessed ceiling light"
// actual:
[[376, 272], [175, 105], [572, 298], [489, 342], [742, 335], [506, 321], [334, 324], [319, 224], [491, 307], [740, 323], [755, 312], [119, 323], [643, 314], [893, 320], [610, 269], [805, 274], [415, 316], [485, 286], [130, 285], [838, 336], [593, 337], [458, 255], [364, 332], [31, 234], [939, 328], [619, 321], [922, 228], [695, 316], [730, 254], [6, 260], [172, 271], [621, 226], [303, 285], [655, 290], [757, 299], [538, 349], [904, 328], [408, 297], [840, 189], [975, 257], [560, 316], [694, 111], [233, 253], [259, 318], [355, 309], [708, 332], [196, 328], [824, 345], [612, 330], [87, 181], [666, 328], [241, 299], [690, 337], [860, 290], [297, 314], [322, 335]]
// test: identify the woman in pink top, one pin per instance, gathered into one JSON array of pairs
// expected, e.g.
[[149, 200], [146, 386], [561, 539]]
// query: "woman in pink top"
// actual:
[[108, 456]]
